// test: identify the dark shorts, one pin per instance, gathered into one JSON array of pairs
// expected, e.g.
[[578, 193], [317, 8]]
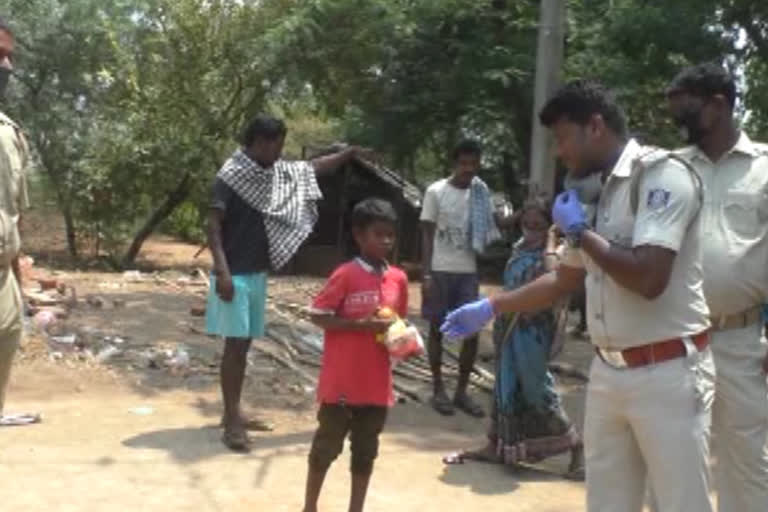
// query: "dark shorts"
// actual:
[[449, 291], [363, 424]]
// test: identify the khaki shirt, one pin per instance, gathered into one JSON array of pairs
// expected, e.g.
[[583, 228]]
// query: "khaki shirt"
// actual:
[[14, 158], [735, 225], [667, 215]]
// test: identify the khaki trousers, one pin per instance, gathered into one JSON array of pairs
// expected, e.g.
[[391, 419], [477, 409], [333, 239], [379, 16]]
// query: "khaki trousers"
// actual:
[[9, 343], [650, 422], [740, 420]]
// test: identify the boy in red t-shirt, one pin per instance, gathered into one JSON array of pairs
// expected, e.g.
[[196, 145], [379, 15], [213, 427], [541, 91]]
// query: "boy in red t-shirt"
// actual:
[[355, 388]]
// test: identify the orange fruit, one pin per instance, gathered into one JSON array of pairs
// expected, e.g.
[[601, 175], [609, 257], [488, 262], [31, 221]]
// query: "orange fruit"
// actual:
[[385, 312]]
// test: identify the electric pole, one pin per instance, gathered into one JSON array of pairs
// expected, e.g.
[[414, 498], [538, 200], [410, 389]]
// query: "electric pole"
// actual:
[[549, 60]]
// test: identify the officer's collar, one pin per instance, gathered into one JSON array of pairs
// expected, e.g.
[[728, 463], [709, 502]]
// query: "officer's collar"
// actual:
[[744, 146], [623, 169]]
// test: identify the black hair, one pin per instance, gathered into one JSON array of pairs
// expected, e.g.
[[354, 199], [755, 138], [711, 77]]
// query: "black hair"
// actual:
[[263, 127], [467, 147], [4, 27], [578, 101], [368, 211], [540, 204], [705, 80]]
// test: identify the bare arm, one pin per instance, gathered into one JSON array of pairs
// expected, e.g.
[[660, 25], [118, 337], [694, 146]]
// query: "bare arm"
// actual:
[[644, 270], [427, 246], [327, 164], [220, 266], [542, 293], [373, 324]]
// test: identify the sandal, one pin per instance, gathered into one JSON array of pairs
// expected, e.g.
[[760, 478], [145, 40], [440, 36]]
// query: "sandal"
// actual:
[[482, 455], [254, 425], [442, 404], [467, 405], [236, 440]]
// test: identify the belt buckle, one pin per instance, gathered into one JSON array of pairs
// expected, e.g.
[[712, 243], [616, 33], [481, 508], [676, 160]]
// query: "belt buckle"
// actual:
[[613, 358]]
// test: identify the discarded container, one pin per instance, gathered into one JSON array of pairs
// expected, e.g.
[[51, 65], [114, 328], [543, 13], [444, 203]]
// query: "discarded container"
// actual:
[[48, 284], [180, 358], [107, 353], [44, 320], [67, 339]]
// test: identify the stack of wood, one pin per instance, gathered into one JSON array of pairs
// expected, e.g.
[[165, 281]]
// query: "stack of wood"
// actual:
[[298, 345]]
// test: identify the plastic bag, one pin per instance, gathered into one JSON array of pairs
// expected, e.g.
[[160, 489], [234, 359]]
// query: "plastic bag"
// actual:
[[403, 341]]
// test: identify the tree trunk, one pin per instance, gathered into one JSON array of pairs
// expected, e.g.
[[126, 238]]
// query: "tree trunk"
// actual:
[[69, 224], [174, 199]]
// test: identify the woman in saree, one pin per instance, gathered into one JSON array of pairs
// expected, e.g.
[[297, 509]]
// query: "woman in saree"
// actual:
[[528, 422]]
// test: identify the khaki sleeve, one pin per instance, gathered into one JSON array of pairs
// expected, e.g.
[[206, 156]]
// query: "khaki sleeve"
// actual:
[[667, 201], [25, 166], [9, 167], [570, 256]]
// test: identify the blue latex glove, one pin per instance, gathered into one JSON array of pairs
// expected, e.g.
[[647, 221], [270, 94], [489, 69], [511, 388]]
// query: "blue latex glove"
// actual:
[[568, 213], [468, 319]]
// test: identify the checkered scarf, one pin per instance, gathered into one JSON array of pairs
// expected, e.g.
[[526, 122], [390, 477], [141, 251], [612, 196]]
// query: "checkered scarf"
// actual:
[[286, 195], [482, 226]]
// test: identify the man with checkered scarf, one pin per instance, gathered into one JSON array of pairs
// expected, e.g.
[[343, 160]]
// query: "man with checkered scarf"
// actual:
[[262, 209]]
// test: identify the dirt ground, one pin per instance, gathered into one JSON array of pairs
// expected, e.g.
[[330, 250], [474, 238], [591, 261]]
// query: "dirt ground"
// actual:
[[121, 436]]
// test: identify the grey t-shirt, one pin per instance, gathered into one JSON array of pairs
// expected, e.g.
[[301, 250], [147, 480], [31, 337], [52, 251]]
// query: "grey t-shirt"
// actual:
[[244, 237]]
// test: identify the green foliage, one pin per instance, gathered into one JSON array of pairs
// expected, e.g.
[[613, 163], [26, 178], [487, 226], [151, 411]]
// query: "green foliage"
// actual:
[[132, 105]]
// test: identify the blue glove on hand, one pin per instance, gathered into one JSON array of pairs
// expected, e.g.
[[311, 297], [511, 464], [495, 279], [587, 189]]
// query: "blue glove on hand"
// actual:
[[568, 213], [468, 319]]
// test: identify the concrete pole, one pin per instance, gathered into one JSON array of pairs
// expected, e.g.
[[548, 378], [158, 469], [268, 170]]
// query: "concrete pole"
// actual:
[[549, 60]]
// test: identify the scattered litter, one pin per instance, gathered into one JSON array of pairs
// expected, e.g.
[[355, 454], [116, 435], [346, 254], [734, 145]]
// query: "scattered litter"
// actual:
[[142, 411], [94, 301], [132, 276], [107, 353], [68, 339], [20, 419], [48, 284], [44, 320]]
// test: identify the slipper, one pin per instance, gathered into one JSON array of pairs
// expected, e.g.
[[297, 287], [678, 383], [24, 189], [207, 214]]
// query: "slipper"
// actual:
[[442, 404], [254, 425], [467, 405], [236, 440], [470, 455], [18, 420], [453, 459]]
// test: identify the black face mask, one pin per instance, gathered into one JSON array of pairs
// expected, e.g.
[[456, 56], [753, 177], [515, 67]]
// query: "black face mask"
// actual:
[[5, 75], [689, 122]]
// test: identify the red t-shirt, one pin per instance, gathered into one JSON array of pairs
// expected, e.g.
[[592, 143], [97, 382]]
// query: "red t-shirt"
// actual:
[[356, 367]]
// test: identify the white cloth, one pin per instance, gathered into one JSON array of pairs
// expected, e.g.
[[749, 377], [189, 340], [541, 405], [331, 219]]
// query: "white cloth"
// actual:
[[740, 420], [650, 422], [448, 208]]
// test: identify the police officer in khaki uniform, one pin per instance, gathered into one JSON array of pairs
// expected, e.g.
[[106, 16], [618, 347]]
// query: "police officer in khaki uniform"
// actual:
[[13, 197], [651, 383], [734, 171]]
